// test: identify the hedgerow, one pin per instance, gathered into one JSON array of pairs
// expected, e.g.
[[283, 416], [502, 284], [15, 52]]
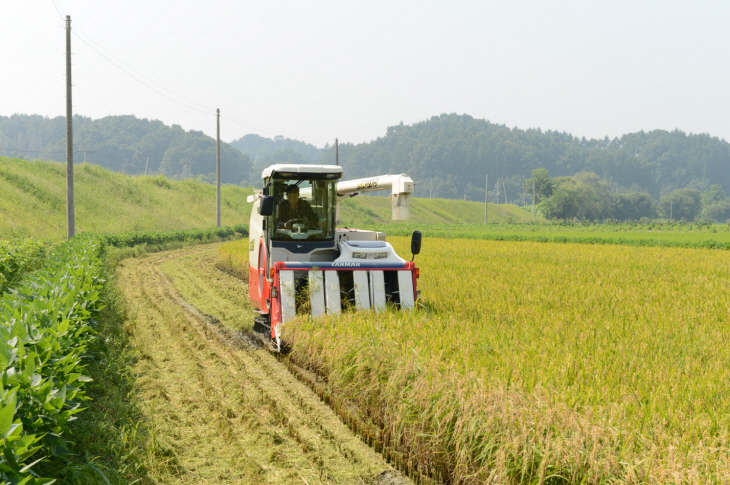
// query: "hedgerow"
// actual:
[[129, 239], [45, 328], [17, 257]]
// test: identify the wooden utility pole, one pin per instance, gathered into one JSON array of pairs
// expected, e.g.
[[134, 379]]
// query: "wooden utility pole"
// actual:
[[533, 201], [337, 151], [505, 190], [524, 199], [85, 152], [218, 169], [147, 165], [486, 200], [70, 221]]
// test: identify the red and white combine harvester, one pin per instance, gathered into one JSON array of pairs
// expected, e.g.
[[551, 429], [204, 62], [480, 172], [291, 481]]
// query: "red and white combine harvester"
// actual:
[[300, 262]]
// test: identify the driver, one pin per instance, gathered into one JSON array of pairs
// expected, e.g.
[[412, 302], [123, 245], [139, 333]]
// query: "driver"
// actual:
[[293, 208]]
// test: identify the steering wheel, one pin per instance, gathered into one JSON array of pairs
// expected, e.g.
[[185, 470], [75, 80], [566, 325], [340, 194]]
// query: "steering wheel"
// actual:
[[292, 221]]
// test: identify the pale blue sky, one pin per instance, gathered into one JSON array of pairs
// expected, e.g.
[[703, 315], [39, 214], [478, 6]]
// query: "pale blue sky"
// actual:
[[319, 70]]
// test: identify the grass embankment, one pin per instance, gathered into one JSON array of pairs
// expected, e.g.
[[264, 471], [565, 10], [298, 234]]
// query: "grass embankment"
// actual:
[[33, 201], [366, 210], [544, 363]]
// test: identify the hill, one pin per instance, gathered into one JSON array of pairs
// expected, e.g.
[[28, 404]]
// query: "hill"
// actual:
[[450, 155], [34, 203], [124, 144], [458, 151]]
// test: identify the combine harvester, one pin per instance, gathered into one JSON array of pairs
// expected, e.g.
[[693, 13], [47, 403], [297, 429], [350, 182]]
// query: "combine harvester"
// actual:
[[299, 262]]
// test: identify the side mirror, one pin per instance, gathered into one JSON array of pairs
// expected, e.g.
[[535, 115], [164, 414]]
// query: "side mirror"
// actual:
[[267, 205], [416, 242]]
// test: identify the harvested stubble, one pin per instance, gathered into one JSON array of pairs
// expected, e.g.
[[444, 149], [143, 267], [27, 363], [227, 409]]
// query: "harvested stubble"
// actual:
[[544, 363]]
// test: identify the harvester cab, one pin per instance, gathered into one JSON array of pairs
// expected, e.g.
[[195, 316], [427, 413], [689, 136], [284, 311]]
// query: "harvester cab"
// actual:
[[300, 262]]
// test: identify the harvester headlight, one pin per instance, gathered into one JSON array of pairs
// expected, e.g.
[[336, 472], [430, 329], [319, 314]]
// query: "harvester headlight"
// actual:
[[381, 255], [360, 255]]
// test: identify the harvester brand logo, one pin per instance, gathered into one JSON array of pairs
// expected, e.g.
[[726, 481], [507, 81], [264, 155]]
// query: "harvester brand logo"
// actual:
[[367, 185], [250, 245], [345, 265]]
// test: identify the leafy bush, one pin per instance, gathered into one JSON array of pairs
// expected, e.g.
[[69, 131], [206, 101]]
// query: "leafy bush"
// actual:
[[128, 239], [45, 327], [18, 257]]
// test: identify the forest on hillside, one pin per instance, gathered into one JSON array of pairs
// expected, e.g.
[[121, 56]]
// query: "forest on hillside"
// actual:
[[449, 156], [125, 144]]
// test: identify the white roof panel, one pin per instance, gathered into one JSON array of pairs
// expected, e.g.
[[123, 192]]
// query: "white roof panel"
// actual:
[[281, 167]]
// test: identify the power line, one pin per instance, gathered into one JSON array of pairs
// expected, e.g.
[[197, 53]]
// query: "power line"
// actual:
[[58, 9], [137, 79], [26, 151], [88, 40]]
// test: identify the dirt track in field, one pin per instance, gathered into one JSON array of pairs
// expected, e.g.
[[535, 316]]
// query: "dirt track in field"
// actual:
[[219, 409]]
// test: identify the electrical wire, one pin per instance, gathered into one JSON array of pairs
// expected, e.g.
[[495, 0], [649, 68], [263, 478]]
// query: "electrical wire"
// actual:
[[9, 150], [187, 103]]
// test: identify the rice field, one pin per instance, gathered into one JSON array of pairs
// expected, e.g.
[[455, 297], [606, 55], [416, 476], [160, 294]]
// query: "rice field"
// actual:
[[651, 233], [543, 363]]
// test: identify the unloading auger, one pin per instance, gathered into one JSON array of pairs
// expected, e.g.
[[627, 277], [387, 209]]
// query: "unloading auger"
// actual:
[[300, 262]]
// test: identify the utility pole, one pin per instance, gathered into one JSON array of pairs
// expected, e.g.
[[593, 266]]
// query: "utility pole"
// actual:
[[533, 200], [486, 200], [505, 191], [337, 151], [218, 168], [147, 165], [670, 211], [70, 221], [524, 200], [85, 152]]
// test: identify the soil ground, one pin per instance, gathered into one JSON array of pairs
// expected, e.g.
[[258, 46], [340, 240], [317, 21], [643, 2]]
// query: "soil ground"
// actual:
[[217, 407]]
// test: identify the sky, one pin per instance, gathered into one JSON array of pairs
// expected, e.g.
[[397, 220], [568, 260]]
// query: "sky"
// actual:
[[320, 70]]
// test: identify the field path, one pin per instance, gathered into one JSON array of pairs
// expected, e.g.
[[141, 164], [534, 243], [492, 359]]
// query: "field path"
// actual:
[[217, 407]]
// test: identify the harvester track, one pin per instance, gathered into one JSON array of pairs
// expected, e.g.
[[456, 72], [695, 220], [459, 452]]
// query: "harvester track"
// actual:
[[218, 408]]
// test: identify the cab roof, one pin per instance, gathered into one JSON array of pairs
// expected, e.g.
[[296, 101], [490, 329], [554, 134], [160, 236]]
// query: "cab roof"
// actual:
[[281, 168]]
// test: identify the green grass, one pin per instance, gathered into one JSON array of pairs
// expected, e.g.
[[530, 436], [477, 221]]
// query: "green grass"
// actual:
[[669, 235], [33, 201], [362, 210]]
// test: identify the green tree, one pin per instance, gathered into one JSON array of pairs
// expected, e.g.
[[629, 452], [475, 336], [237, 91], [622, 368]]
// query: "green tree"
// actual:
[[714, 195], [543, 184], [562, 205], [681, 204], [717, 211], [633, 206]]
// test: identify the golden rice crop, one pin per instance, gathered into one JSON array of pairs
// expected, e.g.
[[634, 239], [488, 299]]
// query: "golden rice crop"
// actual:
[[233, 258], [544, 363]]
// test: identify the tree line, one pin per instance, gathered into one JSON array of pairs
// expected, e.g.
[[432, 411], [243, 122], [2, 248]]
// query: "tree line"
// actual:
[[449, 156], [124, 144], [585, 196]]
